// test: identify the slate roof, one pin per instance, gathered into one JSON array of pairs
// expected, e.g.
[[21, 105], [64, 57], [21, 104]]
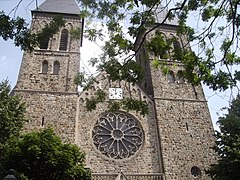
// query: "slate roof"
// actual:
[[59, 6]]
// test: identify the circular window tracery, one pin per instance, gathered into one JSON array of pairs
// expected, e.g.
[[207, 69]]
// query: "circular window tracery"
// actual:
[[117, 135]]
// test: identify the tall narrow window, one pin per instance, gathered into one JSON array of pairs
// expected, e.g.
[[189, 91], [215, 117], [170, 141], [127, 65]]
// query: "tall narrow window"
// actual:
[[56, 67], [44, 43], [187, 126], [180, 78], [42, 121], [176, 45], [171, 77], [44, 67], [177, 49], [64, 40], [163, 53]]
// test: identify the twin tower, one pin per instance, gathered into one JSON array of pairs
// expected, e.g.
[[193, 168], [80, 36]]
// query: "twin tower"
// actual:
[[172, 142]]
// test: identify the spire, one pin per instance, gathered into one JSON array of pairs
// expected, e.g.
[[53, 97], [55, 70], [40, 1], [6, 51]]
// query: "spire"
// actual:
[[59, 6], [160, 13]]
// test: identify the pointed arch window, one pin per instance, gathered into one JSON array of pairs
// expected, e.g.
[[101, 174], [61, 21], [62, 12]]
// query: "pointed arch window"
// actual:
[[64, 40], [44, 67], [56, 67], [171, 77]]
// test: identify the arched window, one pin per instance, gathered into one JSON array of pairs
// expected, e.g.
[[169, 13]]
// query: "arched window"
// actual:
[[176, 45], [44, 67], [171, 77], [180, 78], [163, 52], [176, 52], [44, 43], [64, 40], [56, 67]]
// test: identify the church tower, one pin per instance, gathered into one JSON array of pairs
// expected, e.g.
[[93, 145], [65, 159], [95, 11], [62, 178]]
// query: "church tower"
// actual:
[[172, 142], [182, 115], [46, 77]]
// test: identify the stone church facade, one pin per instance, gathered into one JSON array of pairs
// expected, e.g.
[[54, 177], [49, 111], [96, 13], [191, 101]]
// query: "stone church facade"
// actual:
[[172, 142]]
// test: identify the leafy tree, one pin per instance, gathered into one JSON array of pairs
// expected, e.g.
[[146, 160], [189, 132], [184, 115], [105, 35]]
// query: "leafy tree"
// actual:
[[36, 155], [216, 35], [127, 19], [139, 18], [42, 155], [228, 145], [11, 113]]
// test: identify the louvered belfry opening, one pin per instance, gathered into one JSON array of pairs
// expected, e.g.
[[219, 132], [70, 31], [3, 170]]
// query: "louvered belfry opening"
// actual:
[[64, 40]]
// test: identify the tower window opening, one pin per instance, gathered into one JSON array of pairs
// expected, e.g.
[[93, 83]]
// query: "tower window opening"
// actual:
[[176, 45], [195, 172], [163, 46], [187, 126], [180, 78], [177, 49], [145, 85], [44, 43], [163, 54], [56, 67], [42, 121], [171, 77], [44, 67], [64, 40]]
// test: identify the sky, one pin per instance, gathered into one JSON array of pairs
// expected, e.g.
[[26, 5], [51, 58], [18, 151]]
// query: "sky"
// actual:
[[11, 56]]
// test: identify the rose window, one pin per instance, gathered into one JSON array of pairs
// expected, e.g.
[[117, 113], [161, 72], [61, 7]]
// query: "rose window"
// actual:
[[117, 135]]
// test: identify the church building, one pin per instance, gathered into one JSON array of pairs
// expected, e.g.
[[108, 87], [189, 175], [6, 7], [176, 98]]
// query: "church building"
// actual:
[[172, 142]]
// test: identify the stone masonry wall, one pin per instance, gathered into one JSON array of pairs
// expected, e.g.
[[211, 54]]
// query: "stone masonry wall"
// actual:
[[187, 137], [184, 121], [185, 127], [146, 160], [178, 136], [51, 99], [51, 110], [31, 76]]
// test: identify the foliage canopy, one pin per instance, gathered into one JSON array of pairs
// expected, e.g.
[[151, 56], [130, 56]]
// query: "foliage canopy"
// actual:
[[35, 155], [127, 19], [228, 145], [42, 155], [11, 113], [16, 29], [214, 37]]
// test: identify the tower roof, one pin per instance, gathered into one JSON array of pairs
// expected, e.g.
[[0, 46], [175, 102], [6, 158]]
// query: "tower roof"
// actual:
[[160, 13], [59, 6]]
